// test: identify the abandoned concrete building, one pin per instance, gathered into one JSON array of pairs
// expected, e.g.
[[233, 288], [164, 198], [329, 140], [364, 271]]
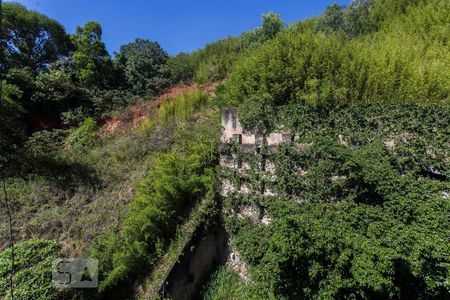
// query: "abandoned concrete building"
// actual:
[[249, 143]]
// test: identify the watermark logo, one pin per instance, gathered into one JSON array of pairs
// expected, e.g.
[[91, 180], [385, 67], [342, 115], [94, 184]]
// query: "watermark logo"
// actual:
[[75, 273]]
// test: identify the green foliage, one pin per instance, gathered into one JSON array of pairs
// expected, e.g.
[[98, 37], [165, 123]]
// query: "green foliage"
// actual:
[[94, 67], [183, 106], [23, 78], [175, 181], [45, 143], [83, 135], [143, 63], [357, 18], [361, 210], [362, 16], [213, 62], [54, 94], [107, 101], [377, 174], [271, 25], [217, 59], [332, 19], [371, 251], [225, 284], [11, 131], [181, 68], [33, 270], [30, 39], [53, 87], [315, 68]]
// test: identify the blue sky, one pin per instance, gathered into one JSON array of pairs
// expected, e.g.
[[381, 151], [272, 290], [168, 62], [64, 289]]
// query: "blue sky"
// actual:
[[178, 25]]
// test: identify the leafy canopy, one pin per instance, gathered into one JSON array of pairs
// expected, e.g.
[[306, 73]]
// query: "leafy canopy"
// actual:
[[143, 64], [91, 57], [31, 39]]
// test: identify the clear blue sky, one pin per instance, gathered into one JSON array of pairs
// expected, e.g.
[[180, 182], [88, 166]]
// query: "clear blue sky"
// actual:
[[178, 25]]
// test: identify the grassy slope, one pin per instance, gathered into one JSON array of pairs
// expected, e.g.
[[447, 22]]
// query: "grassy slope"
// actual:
[[89, 182], [99, 181]]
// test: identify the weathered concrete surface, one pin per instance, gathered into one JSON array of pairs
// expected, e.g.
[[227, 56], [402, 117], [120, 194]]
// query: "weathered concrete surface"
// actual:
[[232, 132], [199, 259]]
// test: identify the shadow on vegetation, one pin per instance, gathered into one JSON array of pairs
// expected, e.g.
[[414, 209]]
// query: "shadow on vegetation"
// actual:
[[63, 174]]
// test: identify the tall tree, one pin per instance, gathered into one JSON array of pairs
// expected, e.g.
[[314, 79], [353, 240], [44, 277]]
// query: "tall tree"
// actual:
[[31, 39], [91, 58], [271, 25], [357, 17], [332, 19], [144, 64]]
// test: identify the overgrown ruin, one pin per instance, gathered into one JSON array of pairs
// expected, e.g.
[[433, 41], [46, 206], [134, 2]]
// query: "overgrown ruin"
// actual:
[[235, 141]]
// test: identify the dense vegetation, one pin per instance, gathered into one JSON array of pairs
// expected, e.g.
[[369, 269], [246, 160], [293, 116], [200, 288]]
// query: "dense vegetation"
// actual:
[[385, 202], [68, 179], [174, 181], [361, 206], [34, 259], [217, 59]]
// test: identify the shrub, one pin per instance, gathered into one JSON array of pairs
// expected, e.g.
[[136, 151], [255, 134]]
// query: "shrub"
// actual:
[[181, 68], [33, 270], [225, 284], [386, 202], [315, 68], [83, 135], [45, 143]]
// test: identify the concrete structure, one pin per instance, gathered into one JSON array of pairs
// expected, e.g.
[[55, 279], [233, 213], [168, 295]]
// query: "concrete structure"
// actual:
[[246, 142], [232, 131], [201, 255]]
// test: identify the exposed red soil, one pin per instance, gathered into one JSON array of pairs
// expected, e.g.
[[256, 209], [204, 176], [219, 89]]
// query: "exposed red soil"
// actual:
[[111, 124], [132, 116]]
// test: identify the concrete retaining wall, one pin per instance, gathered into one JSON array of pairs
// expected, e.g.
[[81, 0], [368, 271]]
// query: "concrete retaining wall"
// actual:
[[199, 258]]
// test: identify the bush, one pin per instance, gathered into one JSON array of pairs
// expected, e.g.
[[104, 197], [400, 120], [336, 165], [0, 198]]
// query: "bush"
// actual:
[[378, 177], [45, 143], [12, 133], [225, 284], [213, 62], [83, 135], [181, 68], [106, 101], [33, 270], [361, 209]]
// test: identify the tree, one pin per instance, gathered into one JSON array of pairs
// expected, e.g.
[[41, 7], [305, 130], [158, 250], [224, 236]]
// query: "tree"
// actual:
[[181, 67], [55, 92], [91, 57], [332, 19], [357, 17], [272, 24], [144, 65], [31, 39]]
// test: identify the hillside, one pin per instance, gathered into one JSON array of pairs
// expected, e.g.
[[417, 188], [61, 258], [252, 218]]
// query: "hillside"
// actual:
[[121, 159]]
